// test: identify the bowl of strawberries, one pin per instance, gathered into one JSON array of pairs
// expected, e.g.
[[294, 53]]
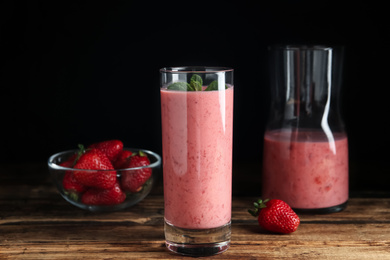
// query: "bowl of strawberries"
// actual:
[[104, 176]]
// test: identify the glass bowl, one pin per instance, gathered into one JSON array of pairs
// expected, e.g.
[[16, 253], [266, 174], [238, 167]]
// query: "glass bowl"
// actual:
[[76, 197]]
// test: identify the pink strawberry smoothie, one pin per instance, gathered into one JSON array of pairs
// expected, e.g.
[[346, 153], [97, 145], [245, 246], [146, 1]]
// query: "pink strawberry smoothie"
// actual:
[[304, 169], [197, 129]]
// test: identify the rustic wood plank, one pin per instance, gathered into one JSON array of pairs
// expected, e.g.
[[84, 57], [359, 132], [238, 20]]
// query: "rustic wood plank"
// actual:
[[37, 223], [366, 210], [102, 241], [358, 209], [66, 232]]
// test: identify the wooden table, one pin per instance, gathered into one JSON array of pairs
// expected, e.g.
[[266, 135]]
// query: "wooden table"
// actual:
[[36, 223]]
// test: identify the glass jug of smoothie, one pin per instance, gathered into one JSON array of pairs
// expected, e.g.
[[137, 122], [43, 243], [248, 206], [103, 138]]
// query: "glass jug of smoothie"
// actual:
[[305, 161]]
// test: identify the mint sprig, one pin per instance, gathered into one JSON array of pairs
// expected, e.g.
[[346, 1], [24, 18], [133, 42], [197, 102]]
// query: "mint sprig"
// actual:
[[214, 86], [196, 84], [183, 86]]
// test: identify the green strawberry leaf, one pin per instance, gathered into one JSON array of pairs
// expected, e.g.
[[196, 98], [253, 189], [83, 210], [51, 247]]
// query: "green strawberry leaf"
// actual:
[[183, 86], [258, 205], [80, 152], [196, 82], [72, 195], [253, 212]]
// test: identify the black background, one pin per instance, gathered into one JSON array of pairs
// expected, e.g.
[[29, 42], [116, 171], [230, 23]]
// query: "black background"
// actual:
[[80, 72]]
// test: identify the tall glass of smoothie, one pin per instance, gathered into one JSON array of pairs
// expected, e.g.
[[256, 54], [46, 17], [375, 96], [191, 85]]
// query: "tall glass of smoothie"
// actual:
[[305, 161], [197, 132]]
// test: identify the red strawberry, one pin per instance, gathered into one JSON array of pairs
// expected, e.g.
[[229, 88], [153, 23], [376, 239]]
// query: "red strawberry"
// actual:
[[70, 162], [70, 184], [132, 180], [111, 148], [110, 196], [276, 216], [122, 159], [95, 159]]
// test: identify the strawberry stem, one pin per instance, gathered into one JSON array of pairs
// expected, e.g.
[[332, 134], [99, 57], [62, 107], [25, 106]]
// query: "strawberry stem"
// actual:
[[80, 152], [259, 204]]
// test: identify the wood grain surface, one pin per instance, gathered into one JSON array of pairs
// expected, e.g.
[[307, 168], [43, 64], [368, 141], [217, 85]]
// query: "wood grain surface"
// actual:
[[37, 223]]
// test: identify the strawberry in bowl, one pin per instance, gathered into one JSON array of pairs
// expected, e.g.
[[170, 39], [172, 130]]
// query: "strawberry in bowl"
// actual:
[[104, 176]]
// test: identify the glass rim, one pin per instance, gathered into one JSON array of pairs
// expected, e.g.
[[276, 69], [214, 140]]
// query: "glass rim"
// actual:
[[197, 69], [55, 166], [305, 47]]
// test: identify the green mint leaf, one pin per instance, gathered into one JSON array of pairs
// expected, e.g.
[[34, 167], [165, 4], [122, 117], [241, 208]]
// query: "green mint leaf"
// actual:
[[214, 86], [196, 82], [183, 86]]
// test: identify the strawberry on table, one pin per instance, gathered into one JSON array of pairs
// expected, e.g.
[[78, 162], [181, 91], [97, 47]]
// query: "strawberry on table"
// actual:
[[122, 160], [110, 196], [110, 148], [94, 159], [275, 215], [133, 180]]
